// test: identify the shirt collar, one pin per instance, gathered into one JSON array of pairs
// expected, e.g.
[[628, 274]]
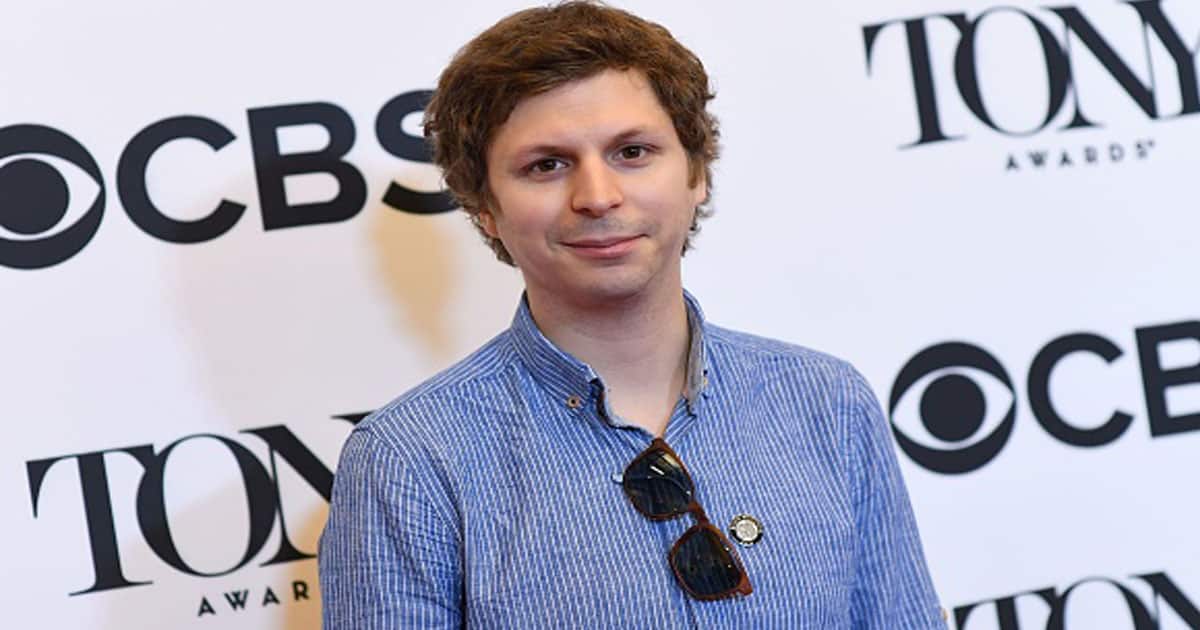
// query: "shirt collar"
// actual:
[[574, 382]]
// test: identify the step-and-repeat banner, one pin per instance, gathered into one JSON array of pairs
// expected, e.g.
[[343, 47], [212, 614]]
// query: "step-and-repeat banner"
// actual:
[[221, 244]]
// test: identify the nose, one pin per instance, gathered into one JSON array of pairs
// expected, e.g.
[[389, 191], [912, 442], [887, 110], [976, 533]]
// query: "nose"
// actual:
[[595, 188]]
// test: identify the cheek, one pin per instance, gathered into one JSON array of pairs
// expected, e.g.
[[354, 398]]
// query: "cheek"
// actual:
[[524, 217]]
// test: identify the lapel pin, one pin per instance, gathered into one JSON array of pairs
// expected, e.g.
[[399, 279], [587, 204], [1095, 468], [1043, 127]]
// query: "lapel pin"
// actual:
[[745, 529]]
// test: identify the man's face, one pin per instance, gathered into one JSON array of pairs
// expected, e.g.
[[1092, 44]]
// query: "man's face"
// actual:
[[590, 189]]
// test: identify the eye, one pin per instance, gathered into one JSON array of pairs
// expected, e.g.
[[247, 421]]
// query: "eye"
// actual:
[[632, 152], [545, 165], [953, 407], [54, 197]]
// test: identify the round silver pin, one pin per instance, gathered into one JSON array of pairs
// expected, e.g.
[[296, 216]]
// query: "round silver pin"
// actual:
[[745, 529]]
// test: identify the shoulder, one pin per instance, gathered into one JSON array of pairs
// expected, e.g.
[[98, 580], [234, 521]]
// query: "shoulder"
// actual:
[[425, 438], [445, 402], [820, 392], [772, 359]]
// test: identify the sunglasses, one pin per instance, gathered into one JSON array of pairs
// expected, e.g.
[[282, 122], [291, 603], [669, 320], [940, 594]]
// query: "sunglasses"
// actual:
[[703, 559]]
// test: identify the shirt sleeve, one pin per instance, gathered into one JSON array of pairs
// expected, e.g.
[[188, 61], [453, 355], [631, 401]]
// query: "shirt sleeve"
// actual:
[[892, 587], [389, 554]]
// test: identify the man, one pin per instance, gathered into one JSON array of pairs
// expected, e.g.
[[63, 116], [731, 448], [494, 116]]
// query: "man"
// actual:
[[564, 474]]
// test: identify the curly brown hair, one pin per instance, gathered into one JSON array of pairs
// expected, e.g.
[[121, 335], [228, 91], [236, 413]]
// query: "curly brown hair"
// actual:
[[536, 50]]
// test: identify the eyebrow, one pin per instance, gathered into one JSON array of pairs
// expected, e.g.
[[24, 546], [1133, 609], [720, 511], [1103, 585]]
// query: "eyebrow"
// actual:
[[558, 149], [630, 134]]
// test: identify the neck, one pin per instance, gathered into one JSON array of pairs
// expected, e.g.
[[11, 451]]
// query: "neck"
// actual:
[[637, 345]]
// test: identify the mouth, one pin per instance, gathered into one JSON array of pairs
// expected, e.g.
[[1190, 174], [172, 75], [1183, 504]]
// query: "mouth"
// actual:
[[605, 247]]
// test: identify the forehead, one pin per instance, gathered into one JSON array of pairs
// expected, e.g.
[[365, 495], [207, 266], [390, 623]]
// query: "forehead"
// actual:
[[603, 105]]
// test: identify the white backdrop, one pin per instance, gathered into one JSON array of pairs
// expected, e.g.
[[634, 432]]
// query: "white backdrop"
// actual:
[[833, 230]]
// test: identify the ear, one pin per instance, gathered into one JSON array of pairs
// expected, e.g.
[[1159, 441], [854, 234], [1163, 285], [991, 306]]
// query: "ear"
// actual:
[[487, 221], [700, 190]]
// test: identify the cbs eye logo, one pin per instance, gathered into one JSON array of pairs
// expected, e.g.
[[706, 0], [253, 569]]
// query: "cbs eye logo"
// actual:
[[35, 197], [953, 407]]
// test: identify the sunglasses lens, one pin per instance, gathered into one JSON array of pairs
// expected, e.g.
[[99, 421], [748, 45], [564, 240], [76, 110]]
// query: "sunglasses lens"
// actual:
[[657, 484], [704, 564]]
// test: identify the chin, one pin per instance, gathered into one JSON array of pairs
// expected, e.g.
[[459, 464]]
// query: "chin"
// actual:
[[618, 286]]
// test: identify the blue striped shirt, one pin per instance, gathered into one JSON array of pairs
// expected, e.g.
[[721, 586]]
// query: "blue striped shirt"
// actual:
[[489, 497]]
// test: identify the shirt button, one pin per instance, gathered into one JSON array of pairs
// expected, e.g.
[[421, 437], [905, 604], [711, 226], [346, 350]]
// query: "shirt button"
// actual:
[[574, 402]]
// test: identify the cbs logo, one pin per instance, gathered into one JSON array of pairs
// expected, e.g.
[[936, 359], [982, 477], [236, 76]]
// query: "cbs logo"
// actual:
[[35, 197], [41, 166], [953, 406], [960, 384]]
